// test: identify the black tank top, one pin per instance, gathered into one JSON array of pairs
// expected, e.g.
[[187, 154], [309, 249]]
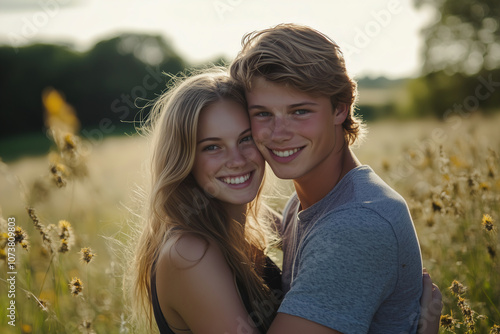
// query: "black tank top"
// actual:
[[272, 277]]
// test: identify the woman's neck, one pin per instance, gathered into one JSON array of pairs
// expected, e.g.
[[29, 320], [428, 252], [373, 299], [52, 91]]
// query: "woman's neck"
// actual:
[[237, 212]]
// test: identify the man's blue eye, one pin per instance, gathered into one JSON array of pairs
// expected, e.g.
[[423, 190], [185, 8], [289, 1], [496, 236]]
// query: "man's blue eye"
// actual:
[[263, 114], [301, 112]]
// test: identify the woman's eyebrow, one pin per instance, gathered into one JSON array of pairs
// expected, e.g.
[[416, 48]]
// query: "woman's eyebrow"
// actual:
[[218, 139]]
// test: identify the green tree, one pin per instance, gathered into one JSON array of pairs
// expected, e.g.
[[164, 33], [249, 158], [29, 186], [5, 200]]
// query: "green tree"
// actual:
[[105, 84], [464, 36], [461, 67]]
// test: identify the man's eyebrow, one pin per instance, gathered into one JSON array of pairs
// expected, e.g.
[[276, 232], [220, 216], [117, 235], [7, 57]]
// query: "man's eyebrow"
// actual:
[[256, 106], [301, 104], [219, 139], [295, 105]]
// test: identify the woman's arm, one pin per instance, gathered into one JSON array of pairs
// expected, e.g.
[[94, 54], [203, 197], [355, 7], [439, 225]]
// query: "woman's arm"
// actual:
[[431, 306], [196, 284]]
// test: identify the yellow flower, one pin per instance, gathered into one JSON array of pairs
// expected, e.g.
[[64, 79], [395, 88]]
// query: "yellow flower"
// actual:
[[25, 244], [484, 186], [487, 222], [87, 254], [64, 247], [76, 286], [437, 205], [64, 229], [19, 234], [25, 328], [58, 113], [495, 329], [69, 141], [457, 288], [447, 322]]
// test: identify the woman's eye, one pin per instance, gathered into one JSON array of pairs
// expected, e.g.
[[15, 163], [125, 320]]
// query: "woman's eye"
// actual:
[[210, 148], [246, 139]]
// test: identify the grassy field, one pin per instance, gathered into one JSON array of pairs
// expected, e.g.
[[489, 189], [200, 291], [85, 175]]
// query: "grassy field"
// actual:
[[447, 171]]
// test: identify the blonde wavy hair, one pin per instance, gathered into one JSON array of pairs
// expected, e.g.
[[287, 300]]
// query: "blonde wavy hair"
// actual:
[[176, 204], [301, 58]]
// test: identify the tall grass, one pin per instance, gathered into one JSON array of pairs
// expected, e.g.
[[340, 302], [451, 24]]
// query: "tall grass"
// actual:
[[69, 280]]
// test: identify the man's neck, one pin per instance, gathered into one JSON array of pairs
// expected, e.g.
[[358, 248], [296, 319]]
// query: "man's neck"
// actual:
[[313, 187]]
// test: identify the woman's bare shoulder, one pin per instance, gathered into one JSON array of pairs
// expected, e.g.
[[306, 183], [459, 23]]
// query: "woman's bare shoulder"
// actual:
[[186, 251]]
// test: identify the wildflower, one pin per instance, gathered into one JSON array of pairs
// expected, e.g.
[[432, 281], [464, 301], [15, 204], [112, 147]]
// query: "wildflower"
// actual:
[[44, 305], [495, 329], [65, 233], [58, 113], [491, 172], [484, 186], [69, 142], [64, 229], [457, 289], [34, 217], [47, 240], [386, 165], [76, 286], [19, 235], [447, 322], [25, 328], [25, 245], [491, 251], [64, 246], [468, 313], [456, 161], [472, 182], [487, 222], [58, 172], [86, 327], [87, 254], [437, 205]]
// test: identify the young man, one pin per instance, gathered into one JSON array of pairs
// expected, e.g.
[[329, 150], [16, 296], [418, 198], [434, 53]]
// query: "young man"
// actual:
[[352, 260]]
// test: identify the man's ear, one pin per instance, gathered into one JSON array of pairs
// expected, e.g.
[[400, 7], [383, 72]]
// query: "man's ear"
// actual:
[[341, 113]]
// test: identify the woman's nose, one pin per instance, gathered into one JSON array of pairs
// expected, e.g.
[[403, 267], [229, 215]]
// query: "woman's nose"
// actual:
[[235, 159]]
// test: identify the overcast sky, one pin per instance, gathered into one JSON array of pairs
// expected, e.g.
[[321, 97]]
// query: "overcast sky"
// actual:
[[378, 37]]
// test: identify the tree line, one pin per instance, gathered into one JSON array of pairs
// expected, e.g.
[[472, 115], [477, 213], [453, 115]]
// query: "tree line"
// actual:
[[116, 77], [109, 81]]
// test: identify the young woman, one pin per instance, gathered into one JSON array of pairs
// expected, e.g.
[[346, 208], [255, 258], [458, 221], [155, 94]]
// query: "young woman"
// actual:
[[200, 264]]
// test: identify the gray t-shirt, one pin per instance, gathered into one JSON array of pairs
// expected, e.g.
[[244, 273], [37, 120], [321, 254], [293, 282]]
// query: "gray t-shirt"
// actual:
[[358, 267]]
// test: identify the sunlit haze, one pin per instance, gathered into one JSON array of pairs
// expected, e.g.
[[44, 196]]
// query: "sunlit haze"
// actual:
[[379, 37]]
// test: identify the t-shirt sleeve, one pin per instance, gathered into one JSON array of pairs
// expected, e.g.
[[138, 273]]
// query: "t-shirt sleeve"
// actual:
[[346, 267]]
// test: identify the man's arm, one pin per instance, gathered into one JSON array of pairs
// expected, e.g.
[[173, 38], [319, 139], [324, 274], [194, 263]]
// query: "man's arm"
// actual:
[[289, 324]]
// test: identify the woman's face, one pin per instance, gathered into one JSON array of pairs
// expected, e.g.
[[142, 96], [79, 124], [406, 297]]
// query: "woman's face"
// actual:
[[227, 164]]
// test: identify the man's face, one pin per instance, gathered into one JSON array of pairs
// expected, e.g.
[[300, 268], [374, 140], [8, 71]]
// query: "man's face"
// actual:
[[294, 131]]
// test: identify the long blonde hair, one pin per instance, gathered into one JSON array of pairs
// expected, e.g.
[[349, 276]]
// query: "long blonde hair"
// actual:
[[177, 204]]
